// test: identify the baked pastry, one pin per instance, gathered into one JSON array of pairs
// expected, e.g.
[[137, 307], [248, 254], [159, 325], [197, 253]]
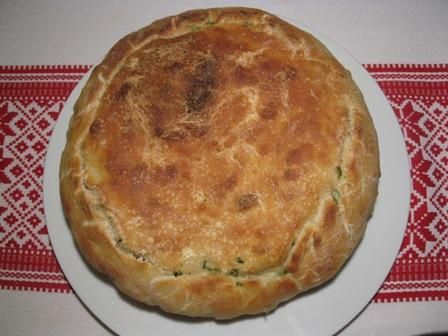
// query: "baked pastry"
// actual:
[[219, 162]]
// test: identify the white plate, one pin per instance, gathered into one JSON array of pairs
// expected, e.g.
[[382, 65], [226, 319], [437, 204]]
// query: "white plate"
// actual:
[[319, 312]]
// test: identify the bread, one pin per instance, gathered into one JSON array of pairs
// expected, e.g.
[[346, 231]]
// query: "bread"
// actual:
[[219, 162]]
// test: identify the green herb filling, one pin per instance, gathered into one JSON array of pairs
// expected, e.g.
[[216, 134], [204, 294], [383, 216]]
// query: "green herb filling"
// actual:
[[339, 172], [234, 272], [336, 195]]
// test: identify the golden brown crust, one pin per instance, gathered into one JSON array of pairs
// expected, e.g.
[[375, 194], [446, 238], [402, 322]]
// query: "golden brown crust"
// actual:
[[219, 162]]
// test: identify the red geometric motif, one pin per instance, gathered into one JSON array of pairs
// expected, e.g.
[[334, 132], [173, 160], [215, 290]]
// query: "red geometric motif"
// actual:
[[32, 97], [419, 98], [30, 101]]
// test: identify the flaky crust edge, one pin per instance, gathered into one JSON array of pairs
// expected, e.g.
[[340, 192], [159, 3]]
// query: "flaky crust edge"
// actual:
[[321, 247]]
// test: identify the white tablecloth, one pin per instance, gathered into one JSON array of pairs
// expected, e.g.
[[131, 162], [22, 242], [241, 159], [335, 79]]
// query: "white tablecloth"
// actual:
[[80, 32]]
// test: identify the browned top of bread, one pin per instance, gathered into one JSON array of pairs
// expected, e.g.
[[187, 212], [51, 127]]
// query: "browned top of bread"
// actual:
[[219, 162]]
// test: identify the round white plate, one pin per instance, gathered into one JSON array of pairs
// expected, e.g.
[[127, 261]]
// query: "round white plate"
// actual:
[[319, 312]]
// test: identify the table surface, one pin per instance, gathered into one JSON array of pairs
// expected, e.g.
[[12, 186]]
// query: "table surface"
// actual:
[[80, 32]]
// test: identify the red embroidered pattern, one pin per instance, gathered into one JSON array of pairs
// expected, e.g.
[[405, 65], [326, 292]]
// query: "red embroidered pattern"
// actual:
[[31, 98], [30, 101], [419, 98]]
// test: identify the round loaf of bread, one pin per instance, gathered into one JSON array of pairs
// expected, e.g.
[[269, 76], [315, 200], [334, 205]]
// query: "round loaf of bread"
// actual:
[[219, 162]]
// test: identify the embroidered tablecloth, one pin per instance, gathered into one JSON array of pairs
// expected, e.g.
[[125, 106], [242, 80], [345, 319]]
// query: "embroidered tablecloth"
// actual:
[[31, 98]]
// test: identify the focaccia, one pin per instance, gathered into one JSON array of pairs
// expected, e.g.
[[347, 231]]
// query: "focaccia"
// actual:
[[219, 162]]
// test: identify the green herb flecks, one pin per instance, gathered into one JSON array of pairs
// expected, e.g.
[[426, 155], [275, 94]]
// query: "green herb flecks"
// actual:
[[336, 195], [283, 272], [210, 22], [239, 284], [339, 172], [208, 268], [177, 273], [239, 260], [234, 272], [205, 267], [194, 28]]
